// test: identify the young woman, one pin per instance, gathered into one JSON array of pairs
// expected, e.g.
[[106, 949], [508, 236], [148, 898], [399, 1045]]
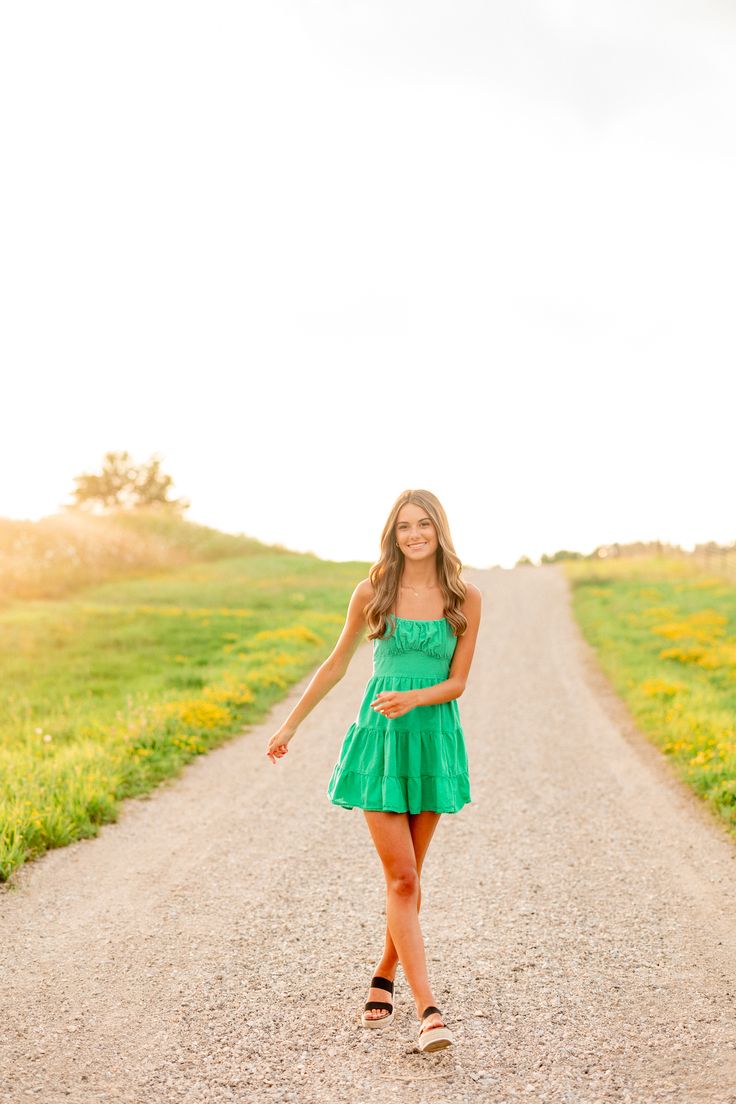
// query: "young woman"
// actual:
[[403, 761]]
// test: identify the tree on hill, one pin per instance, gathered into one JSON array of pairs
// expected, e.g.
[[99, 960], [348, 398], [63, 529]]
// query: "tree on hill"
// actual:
[[123, 484]]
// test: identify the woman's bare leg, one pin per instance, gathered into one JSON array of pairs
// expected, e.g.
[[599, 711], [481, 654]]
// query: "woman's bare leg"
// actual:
[[421, 826], [402, 840]]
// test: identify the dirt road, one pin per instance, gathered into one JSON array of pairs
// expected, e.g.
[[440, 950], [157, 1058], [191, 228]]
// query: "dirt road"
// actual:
[[216, 943]]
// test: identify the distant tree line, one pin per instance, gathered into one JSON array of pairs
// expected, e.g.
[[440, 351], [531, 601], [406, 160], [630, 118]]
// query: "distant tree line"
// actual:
[[634, 548]]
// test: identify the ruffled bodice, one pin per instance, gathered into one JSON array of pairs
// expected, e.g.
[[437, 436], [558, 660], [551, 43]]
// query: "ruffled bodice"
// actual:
[[418, 649]]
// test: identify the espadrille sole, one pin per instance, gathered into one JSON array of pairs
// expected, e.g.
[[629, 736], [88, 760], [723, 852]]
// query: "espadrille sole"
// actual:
[[435, 1038], [377, 1021]]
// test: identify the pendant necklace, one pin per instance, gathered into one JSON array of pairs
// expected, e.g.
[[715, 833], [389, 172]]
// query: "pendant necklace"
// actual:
[[415, 591]]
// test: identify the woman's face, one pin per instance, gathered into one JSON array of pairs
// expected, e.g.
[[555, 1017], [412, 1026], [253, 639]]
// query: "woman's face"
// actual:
[[415, 532]]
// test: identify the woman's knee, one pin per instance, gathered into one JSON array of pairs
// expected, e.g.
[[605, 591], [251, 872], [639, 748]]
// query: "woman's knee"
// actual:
[[404, 881]]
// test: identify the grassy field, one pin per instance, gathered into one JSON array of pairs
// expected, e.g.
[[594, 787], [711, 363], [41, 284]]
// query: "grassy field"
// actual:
[[665, 635], [107, 692], [113, 687], [67, 552]]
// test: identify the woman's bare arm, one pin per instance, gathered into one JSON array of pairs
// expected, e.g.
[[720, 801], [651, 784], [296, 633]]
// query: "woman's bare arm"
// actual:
[[329, 673]]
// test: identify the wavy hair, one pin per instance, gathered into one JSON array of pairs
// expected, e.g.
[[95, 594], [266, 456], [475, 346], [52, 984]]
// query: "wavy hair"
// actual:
[[385, 573]]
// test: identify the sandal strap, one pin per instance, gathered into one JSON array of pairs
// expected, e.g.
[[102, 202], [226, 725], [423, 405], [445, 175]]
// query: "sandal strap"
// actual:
[[429, 1010], [382, 983], [377, 1004]]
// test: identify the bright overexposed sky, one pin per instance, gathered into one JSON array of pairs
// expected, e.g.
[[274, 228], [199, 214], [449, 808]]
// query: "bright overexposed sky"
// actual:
[[317, 252]]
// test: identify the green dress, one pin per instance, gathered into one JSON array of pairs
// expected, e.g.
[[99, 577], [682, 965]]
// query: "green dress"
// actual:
[[417, 761]]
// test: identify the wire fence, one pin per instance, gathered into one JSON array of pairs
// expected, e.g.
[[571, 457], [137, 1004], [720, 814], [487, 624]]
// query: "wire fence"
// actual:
[[719, 559]]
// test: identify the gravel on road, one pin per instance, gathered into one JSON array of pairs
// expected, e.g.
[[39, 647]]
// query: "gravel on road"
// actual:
[[216, 943]]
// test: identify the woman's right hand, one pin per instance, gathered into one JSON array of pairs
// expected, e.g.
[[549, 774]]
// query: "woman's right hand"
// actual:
[[277, 745]]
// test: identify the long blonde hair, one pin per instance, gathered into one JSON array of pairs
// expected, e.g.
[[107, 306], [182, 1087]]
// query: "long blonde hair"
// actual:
[[385, 574]]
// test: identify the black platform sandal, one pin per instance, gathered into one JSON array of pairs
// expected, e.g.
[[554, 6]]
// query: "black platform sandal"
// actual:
[[379, 1021], [434, 1038]]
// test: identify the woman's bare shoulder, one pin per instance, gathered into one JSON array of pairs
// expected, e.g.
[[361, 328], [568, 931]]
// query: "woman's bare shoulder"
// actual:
[[365, 590], [473, 598]]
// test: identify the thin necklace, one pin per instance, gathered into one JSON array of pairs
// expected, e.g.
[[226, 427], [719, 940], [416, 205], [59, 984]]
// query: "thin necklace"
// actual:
[[418, 592]]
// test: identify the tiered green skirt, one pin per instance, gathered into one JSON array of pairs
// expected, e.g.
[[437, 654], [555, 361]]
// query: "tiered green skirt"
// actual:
[[403, 764]]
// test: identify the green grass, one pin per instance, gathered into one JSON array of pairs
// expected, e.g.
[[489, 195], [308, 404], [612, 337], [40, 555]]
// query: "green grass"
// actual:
[[665, 635], [58, 555], [109, 692]]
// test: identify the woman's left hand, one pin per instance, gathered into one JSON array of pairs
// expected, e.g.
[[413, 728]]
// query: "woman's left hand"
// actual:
[[395, 703]]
